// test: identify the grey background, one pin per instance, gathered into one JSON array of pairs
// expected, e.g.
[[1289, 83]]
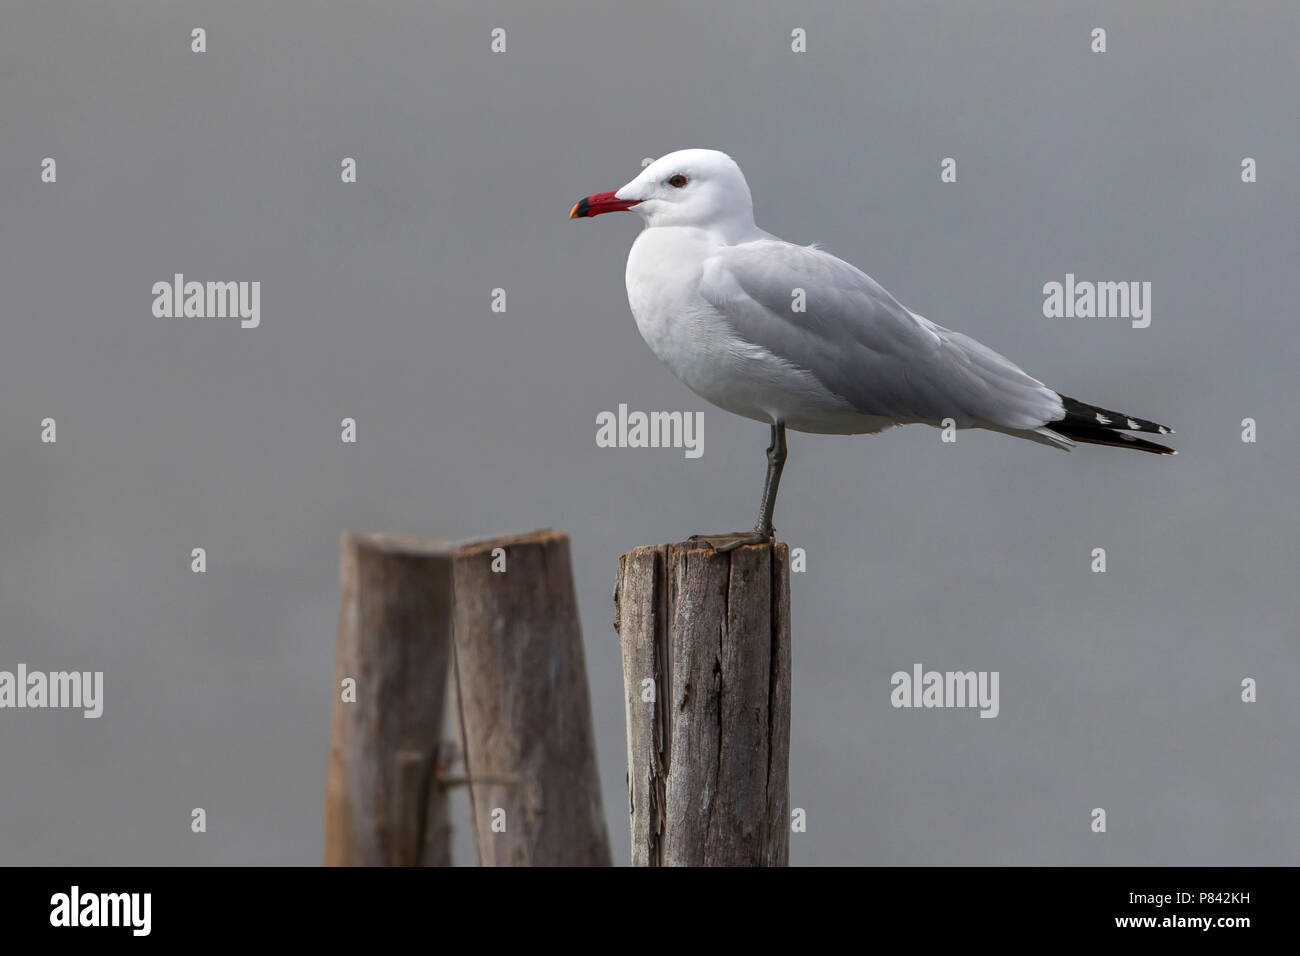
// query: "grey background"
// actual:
[[1118, 690]]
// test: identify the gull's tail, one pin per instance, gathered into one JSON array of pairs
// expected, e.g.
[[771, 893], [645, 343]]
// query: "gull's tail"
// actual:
[[1100, 426]]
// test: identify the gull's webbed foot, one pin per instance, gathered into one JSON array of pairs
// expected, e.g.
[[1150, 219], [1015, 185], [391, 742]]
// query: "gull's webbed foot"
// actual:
[[729, 542]]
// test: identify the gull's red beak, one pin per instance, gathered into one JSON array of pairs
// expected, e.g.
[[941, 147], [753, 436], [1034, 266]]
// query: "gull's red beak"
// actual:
[[601, 202]]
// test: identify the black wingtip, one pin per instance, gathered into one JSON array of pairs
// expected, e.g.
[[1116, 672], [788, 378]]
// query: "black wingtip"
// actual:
[[1094, 416], [1099, 435]]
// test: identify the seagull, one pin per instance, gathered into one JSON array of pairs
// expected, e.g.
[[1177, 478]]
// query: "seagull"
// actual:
[[796, 338]]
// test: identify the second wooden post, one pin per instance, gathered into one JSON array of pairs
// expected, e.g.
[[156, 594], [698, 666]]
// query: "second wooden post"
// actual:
[[521, 674]]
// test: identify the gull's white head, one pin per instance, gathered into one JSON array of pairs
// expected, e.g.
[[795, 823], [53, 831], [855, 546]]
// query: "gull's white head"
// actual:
[[691, 187]]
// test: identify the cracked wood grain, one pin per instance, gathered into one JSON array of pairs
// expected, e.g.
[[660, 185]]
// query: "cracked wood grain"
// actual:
[[708, 752]]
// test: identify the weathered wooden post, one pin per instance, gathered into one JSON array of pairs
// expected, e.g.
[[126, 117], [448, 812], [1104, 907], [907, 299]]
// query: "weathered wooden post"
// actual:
[[706, 676], [521, 676], [383, 806]]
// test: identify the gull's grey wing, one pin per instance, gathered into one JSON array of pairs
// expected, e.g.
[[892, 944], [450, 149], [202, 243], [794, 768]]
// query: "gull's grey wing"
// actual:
[[864, 346]]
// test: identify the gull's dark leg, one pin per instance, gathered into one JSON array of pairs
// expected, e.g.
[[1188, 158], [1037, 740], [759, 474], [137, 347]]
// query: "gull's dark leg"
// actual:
[[775, 463], [763, 531]]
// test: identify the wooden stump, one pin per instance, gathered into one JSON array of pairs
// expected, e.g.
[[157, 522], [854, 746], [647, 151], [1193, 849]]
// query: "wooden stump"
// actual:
[[383, 806], [706, 675], [530, 751]]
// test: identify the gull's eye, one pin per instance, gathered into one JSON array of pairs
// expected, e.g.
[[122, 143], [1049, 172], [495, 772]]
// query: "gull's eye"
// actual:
[[678, 181]]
